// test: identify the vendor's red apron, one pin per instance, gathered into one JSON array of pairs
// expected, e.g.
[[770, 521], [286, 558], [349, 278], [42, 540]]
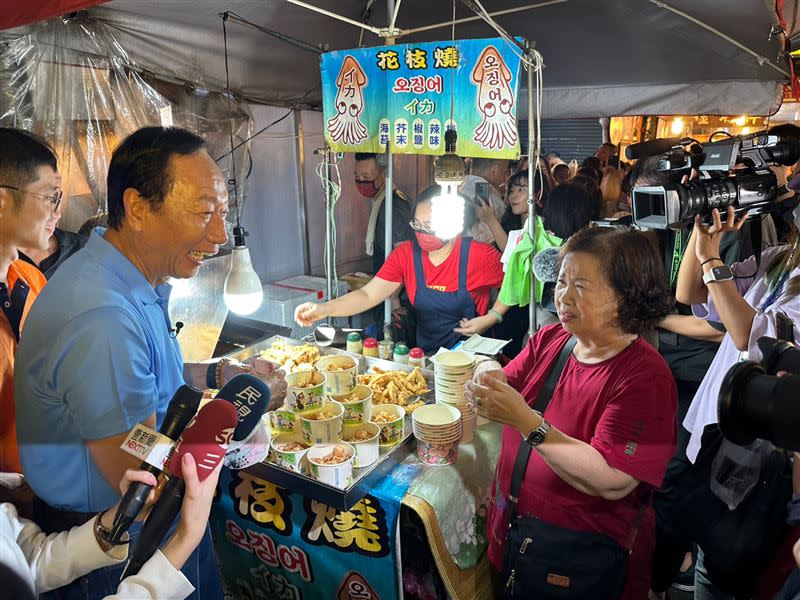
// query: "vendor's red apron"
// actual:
[[438, 313]]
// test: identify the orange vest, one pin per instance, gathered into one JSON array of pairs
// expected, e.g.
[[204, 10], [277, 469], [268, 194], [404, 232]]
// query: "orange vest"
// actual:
[[9, 452]]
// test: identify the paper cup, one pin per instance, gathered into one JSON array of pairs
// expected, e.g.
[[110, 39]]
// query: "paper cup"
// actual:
[[251, 450], [304, 391], [357, 405], [283, 421], [367, 451], [391, 419], [340, 374], [437, 454], [323, 431], [290, 460], [338, 475]]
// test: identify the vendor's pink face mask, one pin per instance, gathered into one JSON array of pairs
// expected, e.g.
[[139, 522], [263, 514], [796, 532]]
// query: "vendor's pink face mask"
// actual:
[[428, 242]]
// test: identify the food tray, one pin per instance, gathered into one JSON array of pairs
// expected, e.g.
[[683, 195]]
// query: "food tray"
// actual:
[[253, 350], [364, 478]]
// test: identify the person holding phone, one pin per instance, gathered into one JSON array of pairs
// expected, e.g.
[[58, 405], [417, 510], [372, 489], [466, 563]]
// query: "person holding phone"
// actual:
[[446, 281]]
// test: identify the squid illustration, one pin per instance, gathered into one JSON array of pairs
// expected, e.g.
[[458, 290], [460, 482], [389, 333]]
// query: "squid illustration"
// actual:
[[495, 100], [346, 127]]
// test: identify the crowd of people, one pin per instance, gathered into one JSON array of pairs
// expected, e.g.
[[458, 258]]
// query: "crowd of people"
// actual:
[[608, 410]]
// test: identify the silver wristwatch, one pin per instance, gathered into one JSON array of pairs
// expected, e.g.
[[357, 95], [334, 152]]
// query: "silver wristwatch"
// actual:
[[538, 435]]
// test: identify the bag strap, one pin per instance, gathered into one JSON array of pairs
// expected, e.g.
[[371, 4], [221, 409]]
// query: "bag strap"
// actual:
[[524, 452], [540, 405]]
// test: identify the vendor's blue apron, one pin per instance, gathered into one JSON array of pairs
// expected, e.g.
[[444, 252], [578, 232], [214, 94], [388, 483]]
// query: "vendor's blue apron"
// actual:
[[439, 312]]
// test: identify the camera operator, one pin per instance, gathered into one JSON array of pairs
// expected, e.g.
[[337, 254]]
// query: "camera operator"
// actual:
[[747, 299]]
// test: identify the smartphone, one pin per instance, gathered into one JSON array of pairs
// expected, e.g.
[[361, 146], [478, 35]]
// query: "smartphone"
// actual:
[[481, 192], [784, 327]]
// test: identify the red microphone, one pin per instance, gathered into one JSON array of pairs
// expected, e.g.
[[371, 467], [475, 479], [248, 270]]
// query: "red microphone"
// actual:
[[206, 438]]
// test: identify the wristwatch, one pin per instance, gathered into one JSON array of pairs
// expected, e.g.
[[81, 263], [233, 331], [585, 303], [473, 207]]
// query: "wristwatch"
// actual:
[[538, 435], [721, 273]]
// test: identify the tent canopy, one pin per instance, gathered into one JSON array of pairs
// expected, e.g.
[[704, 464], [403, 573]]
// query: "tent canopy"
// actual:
[[602, 58]]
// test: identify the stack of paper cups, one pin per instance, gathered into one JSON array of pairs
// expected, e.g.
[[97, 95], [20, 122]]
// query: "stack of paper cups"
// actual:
[[452, 370], [437, 428]]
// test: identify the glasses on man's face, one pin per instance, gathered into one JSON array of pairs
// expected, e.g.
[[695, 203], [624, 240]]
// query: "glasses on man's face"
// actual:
[[421, 226], [54, 198]]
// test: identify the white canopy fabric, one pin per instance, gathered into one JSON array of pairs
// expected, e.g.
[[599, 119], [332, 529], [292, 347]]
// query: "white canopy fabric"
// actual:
[[602, 57]]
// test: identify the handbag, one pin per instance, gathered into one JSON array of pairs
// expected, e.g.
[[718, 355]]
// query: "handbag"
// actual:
[[545, 561]]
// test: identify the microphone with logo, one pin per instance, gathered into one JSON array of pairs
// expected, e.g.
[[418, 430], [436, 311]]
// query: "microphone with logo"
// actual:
[[250, 444], [206, 439], [181, 409]]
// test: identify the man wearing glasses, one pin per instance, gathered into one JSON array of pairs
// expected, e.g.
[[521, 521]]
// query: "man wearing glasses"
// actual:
[[61, 245], [30, 191]]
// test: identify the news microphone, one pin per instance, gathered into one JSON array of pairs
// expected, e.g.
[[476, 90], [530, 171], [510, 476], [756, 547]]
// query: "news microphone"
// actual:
[[206, 438], [181, 409], [545, 265], [250, 395], [651, 148]]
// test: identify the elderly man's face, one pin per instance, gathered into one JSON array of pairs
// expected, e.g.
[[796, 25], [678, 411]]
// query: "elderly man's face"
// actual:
[[190, 224]]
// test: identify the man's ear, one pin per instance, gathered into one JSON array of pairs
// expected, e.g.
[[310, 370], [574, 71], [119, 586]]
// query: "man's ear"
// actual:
[[137, 209]]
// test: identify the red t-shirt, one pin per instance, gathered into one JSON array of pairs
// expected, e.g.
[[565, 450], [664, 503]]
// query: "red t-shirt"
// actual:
[[484, 271], [624, 408]]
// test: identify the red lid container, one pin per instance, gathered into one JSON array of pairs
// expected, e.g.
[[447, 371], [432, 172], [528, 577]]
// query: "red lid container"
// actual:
[[416, 353], [370, 343]]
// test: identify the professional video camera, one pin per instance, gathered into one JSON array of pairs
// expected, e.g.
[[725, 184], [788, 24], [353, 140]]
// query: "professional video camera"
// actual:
[[752, 186], [755, 403]]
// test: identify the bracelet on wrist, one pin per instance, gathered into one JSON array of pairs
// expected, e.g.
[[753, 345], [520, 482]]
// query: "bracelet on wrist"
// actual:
[[101, 534], [710, 259], [496, 315]]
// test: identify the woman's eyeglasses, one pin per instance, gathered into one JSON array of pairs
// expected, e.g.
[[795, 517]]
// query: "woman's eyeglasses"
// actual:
[[54, 198], [422, 227]]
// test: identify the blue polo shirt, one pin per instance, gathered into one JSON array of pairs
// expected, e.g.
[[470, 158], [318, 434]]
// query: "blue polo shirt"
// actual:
[[95, 358]]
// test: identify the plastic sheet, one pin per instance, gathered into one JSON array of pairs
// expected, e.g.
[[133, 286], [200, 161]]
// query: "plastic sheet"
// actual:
[[70, 81]]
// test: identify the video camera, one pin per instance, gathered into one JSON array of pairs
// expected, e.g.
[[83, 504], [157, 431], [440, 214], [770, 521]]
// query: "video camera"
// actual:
[[755, 403], [751, 187]]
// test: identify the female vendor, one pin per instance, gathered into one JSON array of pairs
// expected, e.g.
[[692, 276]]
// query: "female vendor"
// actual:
[[446, 281]]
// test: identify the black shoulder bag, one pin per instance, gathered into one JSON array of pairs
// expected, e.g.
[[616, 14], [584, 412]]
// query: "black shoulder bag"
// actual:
[[544, 561]]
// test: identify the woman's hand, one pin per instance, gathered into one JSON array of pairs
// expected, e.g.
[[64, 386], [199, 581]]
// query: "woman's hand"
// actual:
[[476, 325], [707, 239], [131, 476], [497, 401], [309, 313], [484, 211], [195, 510]]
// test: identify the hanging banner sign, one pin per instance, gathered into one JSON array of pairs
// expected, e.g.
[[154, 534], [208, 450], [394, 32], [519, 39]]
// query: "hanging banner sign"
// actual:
[[403, 96], [274, 544]]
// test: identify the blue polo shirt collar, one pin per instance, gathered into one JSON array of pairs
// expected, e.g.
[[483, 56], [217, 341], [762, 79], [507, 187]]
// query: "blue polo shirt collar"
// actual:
[[133, 278]]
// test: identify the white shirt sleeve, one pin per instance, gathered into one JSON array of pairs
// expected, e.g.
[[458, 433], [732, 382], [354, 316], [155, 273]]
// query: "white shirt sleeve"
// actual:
[[57, 559], [157, 580]]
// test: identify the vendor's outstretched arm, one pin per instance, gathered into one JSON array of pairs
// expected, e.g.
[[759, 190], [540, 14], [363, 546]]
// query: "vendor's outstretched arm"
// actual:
[[484, 322], [372, 294]]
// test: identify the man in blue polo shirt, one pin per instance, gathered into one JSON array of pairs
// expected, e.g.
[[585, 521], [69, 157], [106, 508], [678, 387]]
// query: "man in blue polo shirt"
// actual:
[[97, 356]]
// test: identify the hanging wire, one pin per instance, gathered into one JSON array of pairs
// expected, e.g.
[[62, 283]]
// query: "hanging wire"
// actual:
[[232, 178]]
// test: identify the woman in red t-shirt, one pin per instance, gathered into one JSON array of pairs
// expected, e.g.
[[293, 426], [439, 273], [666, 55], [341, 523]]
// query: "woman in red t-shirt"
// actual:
[[610, 424], [446, 281]]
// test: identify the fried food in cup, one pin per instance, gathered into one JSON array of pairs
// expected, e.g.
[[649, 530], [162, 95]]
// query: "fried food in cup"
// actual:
[[384, 417], [362, 435], [338, 456], [291, 447], [322, 415]]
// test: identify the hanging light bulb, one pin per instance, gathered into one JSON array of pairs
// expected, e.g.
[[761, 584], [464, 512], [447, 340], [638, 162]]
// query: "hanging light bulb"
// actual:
[[243, 293], [447, 209], [677, 125]]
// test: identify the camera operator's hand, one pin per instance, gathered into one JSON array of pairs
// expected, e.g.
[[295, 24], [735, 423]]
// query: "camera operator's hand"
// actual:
[[707, 238]]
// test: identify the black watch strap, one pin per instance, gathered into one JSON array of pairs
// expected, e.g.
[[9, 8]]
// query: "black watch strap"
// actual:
[[542, 400]]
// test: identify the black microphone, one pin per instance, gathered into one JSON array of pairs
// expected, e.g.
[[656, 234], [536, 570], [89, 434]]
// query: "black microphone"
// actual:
[[250, 395], [181, 409], [174, 331], [651, 148], [206, 439]]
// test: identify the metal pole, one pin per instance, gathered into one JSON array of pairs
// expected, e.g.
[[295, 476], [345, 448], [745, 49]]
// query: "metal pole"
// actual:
[[302, 210], [531, 199], [326, 169], [388, 197]]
